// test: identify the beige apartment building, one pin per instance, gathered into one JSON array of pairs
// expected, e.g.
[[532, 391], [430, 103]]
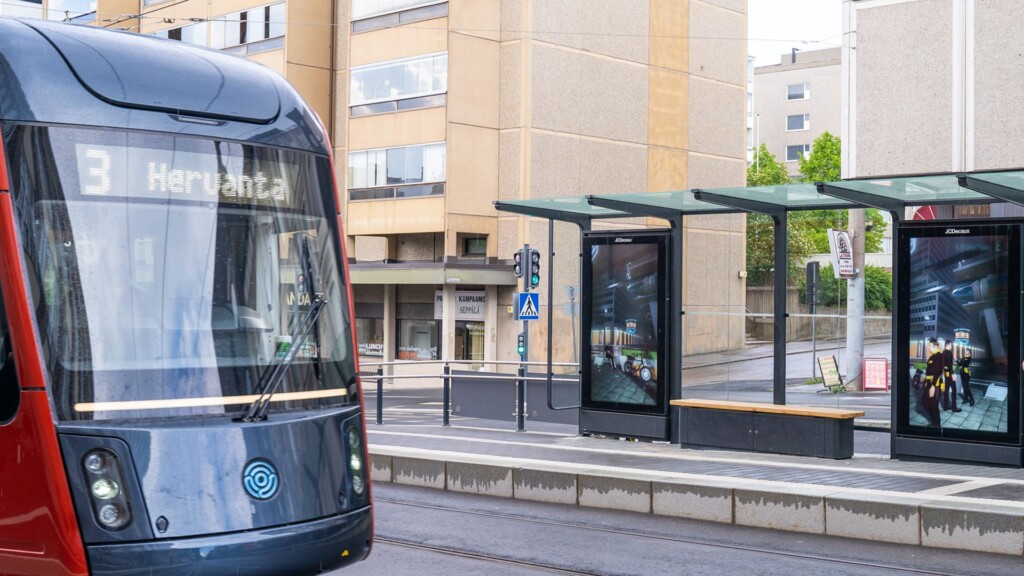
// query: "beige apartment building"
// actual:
[[439, 108], [797, 100], [930, 86]]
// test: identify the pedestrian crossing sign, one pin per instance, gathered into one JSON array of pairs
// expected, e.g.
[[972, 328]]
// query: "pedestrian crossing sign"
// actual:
[[528, 306]]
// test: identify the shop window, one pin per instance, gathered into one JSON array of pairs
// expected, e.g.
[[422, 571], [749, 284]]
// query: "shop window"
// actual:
[[417, 340], [370, 332]]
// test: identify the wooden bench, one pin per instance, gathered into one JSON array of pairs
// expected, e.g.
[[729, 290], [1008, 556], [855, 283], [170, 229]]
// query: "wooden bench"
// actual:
[[772, 428]]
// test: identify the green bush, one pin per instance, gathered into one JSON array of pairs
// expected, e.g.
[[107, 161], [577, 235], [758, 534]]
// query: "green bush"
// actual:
[[832, 290]]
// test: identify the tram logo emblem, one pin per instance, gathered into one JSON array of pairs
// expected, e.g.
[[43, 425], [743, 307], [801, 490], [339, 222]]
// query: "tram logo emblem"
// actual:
[[260, 479]]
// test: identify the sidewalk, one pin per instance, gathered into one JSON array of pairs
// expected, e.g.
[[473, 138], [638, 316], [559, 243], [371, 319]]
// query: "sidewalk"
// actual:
[[869, 497], [767, 350]]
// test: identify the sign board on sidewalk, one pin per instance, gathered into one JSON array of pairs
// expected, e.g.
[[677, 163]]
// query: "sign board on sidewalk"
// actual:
[[527, 305], [876, 374], [830, 372], [842, 253]]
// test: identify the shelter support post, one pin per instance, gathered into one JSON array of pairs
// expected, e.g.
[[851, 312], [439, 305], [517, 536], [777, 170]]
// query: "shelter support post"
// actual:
[[584, 225], [779, 310], [675, 308]]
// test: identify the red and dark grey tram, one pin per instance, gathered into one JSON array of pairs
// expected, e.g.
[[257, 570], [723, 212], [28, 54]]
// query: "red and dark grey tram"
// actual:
[[178, 388]]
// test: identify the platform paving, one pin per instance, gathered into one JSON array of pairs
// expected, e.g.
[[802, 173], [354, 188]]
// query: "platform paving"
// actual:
[[869, 496]]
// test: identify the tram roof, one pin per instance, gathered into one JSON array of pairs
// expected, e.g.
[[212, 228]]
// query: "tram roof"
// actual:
[[59, 73], [893, 193]]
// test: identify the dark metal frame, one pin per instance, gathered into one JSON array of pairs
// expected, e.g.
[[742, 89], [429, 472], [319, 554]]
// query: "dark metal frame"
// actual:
[[780, 221], [918, 447], [583, 221]]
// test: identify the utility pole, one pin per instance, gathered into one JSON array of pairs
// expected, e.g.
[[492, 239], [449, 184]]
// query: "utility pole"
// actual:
[[855, 305]]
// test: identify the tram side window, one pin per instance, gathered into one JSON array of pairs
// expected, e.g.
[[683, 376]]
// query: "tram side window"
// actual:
[[10, 395]]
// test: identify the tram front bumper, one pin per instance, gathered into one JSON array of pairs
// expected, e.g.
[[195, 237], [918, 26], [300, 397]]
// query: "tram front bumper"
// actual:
[[296, 549]]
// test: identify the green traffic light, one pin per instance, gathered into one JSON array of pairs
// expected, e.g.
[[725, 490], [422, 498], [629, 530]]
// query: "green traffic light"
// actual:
[[535, 279], [521, 350]]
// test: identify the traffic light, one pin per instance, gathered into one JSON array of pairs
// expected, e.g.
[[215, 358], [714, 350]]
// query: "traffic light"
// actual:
[[518, 266], [534, 268], [521, 343]]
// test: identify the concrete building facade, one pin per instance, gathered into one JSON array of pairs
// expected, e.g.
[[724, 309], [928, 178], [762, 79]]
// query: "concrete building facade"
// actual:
[[796, 101], [438, 108], [929, 86]]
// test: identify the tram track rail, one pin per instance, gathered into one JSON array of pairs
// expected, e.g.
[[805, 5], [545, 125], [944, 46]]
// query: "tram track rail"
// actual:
[[482, 557], [623, 532]]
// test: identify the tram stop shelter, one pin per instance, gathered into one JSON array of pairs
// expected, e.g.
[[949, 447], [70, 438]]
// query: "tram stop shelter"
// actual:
[[893, 194]]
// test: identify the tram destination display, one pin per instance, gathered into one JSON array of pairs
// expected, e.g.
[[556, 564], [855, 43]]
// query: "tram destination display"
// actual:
[[623, 318], [958, 318], [154, 173]]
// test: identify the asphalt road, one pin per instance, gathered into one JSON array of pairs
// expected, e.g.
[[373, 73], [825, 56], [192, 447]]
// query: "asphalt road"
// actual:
[[424, 532]]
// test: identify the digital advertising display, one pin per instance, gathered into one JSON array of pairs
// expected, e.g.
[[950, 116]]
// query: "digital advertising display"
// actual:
[[624, 321], [959, 327]]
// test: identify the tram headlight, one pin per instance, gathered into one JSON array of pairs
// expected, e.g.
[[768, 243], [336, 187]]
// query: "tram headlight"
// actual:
[[95, 461], [354, 438], [111, 515], [105, 489], [104, 480]]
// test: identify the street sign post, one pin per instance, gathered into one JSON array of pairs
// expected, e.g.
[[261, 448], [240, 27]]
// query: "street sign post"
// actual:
[[527, 306]]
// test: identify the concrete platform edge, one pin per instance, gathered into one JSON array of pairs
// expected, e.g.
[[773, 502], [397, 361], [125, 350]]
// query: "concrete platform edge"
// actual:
[[899, 519]]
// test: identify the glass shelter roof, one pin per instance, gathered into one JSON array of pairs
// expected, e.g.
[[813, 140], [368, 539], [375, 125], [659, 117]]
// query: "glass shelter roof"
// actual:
[[893, 193], [1006, 185], [770, 199], [896, 193], [681, 201]]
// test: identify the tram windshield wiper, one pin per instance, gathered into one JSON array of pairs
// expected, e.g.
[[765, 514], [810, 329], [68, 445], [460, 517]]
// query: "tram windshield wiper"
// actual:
[[274, 373]]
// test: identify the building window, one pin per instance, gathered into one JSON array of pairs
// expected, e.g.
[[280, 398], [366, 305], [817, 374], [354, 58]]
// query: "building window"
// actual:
[[404, 172], [249, 31], [191, 34], [417, 339], [474, 247], [375, 14], [793, 152], [371, 337], [798, 91], [399, 85], [798, 122]]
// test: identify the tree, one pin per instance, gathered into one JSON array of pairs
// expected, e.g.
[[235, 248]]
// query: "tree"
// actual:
[[824, 165], [825, 162], [765, 170]]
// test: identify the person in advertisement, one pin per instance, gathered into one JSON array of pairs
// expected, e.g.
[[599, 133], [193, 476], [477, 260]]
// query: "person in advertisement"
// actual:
[[932, 382], [965, 376], [949, 388]]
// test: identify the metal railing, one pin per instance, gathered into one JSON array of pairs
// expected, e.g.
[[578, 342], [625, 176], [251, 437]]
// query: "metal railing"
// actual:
[[520, 378]]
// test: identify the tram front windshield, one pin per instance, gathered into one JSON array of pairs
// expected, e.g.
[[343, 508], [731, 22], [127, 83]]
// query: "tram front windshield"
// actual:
[[169, 275]]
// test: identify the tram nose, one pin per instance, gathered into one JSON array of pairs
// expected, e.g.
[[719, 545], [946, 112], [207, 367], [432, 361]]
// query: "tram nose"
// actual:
[[177, 482]]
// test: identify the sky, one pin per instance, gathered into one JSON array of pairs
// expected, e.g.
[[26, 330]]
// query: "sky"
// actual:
[[774, 27]]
